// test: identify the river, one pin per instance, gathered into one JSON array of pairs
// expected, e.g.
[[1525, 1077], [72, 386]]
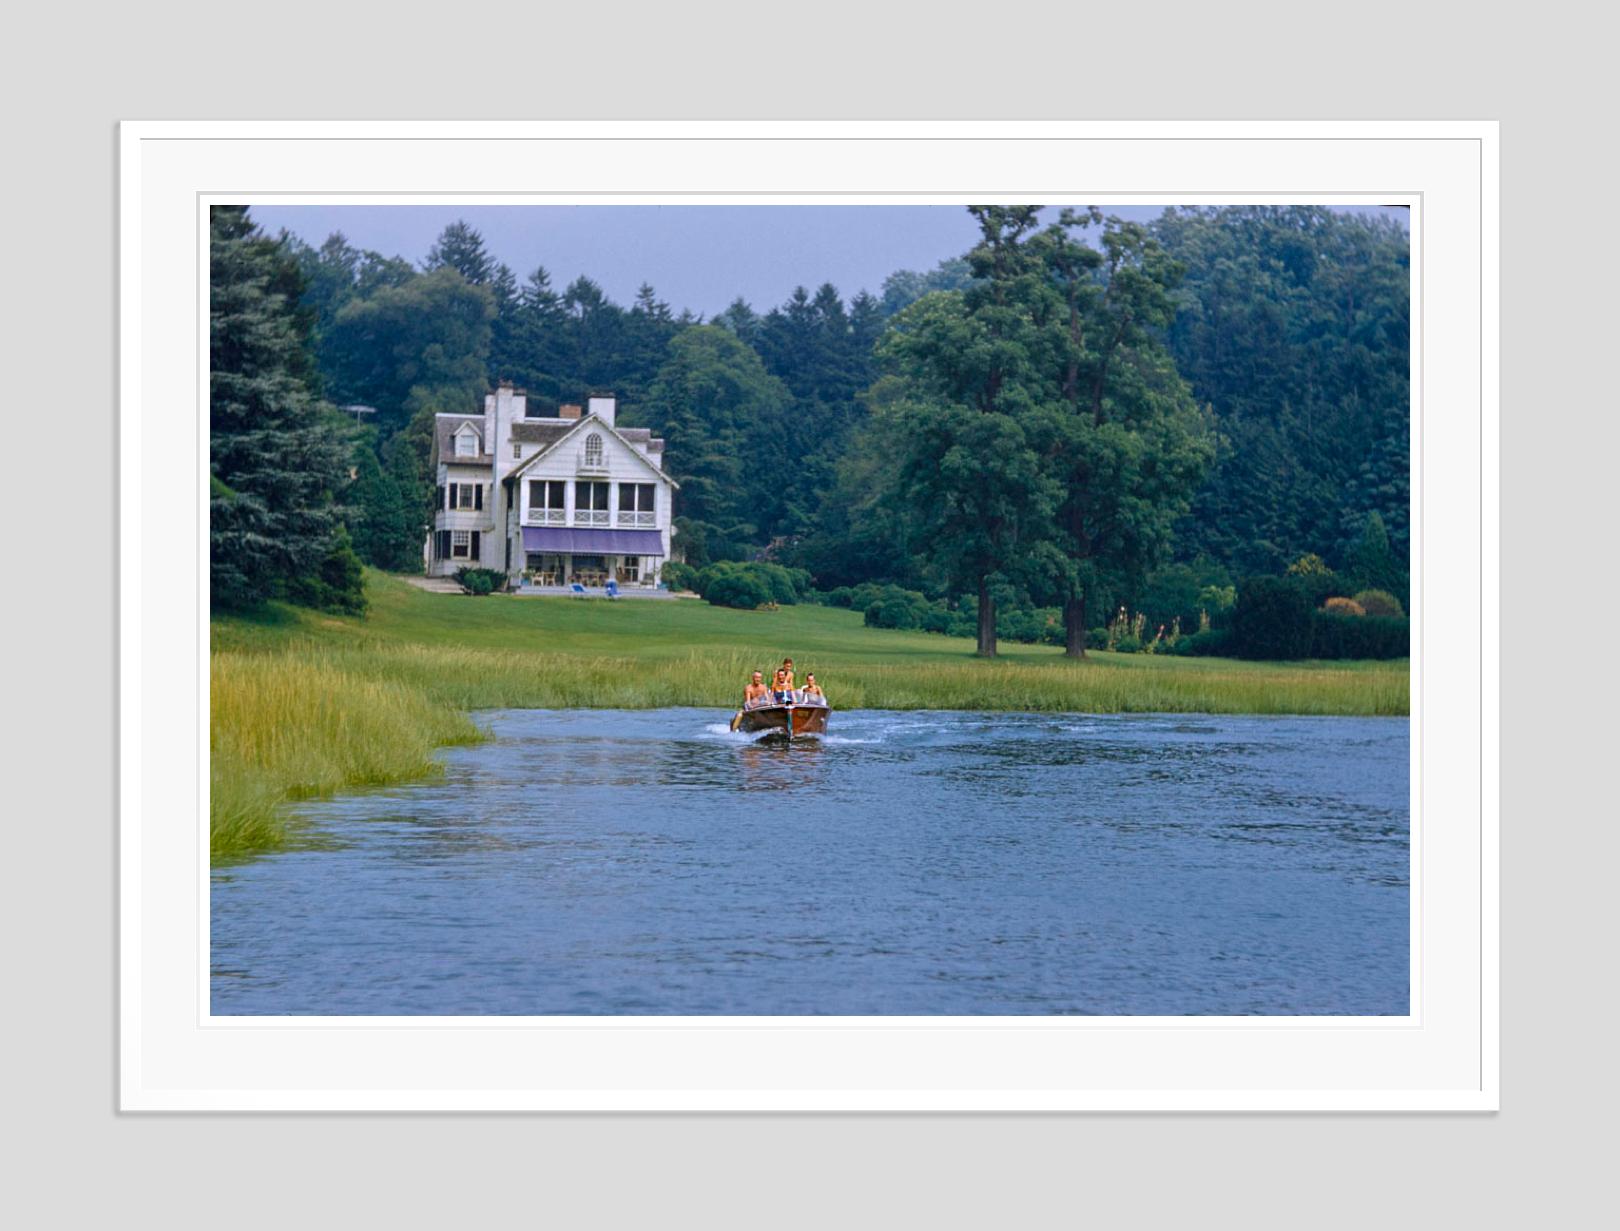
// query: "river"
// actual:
[[650, 862]]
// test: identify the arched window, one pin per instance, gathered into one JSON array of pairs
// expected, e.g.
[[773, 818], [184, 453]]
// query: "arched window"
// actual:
[[593, 450]]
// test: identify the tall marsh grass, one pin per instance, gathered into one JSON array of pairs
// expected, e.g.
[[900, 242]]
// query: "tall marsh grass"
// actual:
[[294, 726]]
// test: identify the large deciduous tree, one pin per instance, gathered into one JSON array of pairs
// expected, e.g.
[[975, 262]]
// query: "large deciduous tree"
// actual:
[[1130, 445], [973, 420], [424, 344]]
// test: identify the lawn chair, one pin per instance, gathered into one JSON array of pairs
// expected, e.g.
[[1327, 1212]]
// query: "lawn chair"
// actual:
[[612, 588], [579, 590]]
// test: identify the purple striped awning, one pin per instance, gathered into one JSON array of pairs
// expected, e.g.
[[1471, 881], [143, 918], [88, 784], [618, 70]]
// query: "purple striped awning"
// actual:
[[562, 541]]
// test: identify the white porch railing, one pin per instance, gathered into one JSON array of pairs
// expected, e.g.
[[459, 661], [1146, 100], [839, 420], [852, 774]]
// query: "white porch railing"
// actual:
[[590, 517], [546, 517], [628, 517]]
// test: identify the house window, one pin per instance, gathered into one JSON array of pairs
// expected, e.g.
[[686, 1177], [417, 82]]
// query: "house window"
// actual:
[[466, 496], [630, 569], [466, 444], [590, 495], [636, 497], [593, 451], [546, 493], [517, 449], [460, 544]]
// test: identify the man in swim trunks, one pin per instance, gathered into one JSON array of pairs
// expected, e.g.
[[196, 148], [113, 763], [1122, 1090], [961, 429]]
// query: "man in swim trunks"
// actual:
[[756, 693]]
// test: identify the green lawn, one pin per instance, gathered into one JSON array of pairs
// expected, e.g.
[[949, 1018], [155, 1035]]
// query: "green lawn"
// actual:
[[306, 704]]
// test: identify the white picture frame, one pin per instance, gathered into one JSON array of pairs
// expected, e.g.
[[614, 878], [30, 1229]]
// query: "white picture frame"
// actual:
[[174, 1055]]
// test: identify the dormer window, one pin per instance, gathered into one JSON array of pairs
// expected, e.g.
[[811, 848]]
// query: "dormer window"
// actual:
[[466, 443], [593, 450]]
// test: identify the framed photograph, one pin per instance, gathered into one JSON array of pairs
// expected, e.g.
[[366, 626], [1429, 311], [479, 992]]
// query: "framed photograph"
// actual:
[[809, 616]]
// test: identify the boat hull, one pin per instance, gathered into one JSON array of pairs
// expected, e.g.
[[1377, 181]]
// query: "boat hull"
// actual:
[[789, 721]]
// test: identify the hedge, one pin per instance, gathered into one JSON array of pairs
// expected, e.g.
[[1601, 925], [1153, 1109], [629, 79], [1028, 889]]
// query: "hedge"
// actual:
[[1348, 636], [1272, 619]]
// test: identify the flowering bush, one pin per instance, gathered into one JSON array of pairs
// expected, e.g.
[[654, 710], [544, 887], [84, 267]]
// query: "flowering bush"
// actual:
[[1379, 603], [1344, 606]]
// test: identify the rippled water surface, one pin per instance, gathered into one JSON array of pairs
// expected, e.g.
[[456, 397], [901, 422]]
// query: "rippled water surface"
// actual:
[[649, 862]]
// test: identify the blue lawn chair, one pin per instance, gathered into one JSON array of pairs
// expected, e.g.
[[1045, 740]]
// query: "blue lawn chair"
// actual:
[[612, 588], [579, 590]]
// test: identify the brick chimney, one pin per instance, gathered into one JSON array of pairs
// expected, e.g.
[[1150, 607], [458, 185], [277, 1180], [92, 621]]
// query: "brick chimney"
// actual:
[[568, 410]]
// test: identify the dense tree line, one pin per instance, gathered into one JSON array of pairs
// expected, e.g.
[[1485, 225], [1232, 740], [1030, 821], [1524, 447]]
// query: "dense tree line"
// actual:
[[1077, 414]]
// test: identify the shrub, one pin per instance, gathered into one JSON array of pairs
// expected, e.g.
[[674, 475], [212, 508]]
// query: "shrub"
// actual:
[[1344, 606], [1215, 605], [1031, 625], [679, 576], [893, 607], [1318, 581], [338, 583], [1211, 643], [1373, 563], [1096, 638], [733, 583], [729, 584], [1128, 644], [479, 580], [1272, 618], [1345, 636], [786, 584], [839, 596], [893, 613], [1380, 603]]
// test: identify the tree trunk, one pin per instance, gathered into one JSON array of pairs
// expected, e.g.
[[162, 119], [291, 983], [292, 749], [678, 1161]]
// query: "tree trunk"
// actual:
[[1074, 627], [987, 620]]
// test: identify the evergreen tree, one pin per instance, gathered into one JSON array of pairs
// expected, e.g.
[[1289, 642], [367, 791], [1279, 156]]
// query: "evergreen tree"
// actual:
[[385, 533], [461, 248], [720, 412], [1373, 565], [1293, 324], [741, 320], [275, 453]]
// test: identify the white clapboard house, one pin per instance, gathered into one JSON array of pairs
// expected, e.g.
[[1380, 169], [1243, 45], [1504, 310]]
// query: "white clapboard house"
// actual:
[[550, 501]]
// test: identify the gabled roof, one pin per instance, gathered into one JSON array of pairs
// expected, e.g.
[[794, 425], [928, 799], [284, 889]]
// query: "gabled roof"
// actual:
[[574, 426], [445, 427]]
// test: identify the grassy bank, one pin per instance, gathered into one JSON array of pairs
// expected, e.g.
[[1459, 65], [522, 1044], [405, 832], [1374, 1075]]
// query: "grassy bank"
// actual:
[[306, 704]]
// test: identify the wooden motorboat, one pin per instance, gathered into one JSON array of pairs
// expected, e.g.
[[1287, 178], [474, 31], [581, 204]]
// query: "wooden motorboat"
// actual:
[[789, 721]]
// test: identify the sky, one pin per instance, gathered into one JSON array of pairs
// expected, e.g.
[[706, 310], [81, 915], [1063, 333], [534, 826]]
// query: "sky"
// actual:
[[697, 257]]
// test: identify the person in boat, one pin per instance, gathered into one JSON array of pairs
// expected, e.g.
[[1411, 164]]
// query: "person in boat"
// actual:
[[756, 693], [811, 693], [784, 682]]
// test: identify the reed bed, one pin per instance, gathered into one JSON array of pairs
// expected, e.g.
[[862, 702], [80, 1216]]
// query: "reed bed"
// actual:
[[305, 706], [296, 725]]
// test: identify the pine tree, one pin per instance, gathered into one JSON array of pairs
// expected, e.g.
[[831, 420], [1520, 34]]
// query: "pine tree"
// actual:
[[385, 534], [276, 454], [461, 248], [1373, 565]]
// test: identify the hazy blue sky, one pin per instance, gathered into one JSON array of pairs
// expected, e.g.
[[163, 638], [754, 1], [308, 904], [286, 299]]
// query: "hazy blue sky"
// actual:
[[696, 256]]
